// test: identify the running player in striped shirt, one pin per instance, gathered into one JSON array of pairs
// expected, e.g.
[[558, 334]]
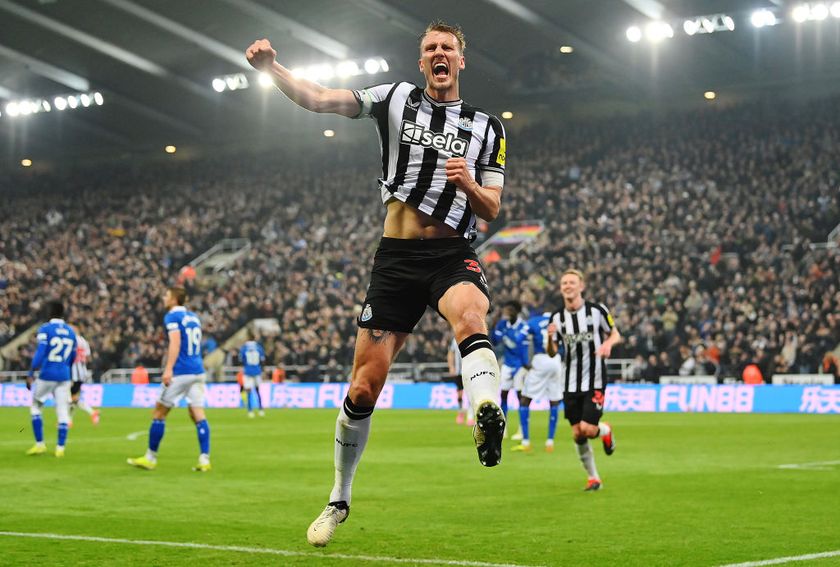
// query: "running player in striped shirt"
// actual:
[[80, 374], [442, 165], [588, 334]]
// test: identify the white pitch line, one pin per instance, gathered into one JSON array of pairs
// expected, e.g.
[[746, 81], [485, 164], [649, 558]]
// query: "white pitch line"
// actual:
[[791, 559], [133, 436], [815, 466], [265, 550]]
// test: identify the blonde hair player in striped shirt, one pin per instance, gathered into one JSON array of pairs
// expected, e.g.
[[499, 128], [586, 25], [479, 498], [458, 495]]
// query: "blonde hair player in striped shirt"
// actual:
[[588, 333]]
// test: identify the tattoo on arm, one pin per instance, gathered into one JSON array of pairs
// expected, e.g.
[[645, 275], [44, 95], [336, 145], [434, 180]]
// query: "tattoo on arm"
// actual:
[[377, 336]]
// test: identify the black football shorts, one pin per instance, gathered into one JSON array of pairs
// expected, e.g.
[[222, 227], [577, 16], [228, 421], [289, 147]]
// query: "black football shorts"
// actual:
[[410, 274], [583, 406]]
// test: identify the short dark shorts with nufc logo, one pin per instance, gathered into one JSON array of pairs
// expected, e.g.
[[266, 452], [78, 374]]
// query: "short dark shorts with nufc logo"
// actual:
[[408, 275], [583, 406]]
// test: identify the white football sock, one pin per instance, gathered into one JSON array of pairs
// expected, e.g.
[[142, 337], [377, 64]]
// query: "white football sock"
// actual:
[[603, 429], [481, 377], [84, 407], [351, 436], [151, 455], [587, 459]]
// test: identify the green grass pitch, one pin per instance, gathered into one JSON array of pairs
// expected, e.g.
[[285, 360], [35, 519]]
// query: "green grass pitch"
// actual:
[[681, 489]]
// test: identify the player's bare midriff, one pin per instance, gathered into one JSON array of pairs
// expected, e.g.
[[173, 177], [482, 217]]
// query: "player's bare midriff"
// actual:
[[404, 221]]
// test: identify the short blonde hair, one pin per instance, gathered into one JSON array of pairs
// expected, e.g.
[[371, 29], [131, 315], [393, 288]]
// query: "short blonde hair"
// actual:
[[441, 26], [574, 272]]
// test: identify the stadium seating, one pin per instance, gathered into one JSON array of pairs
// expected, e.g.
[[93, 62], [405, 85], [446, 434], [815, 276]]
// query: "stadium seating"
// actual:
[[693, 228]]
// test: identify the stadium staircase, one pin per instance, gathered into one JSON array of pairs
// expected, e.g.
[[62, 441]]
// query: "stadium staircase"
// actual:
[[10, 349], [210, 267]]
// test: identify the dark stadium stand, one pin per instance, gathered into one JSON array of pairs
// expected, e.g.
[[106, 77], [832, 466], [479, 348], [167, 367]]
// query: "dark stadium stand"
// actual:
[[693, 228]]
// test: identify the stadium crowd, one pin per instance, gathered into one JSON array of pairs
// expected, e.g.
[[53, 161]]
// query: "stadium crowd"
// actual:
[[693, 228]]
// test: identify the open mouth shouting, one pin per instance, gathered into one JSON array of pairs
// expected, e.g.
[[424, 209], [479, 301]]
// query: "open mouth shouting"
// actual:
[[440, 70]]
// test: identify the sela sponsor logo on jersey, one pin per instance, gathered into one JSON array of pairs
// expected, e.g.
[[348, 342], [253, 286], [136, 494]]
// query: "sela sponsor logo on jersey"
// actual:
[[367, 313], [573, 339], [412, 133]]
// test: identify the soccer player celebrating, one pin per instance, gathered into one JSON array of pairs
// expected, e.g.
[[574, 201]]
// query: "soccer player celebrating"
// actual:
[[183, 376], [543, 379], [252, 357], [55, 354], [512, 333], [581, 327], [79, 375], [442, 165]]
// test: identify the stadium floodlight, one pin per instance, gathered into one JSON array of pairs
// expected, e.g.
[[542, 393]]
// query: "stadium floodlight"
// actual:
[[763, 17], [800, 13], [329, 133], [28, 107], [170, 149], [708, 24], [835, 9], [566, 49], [26, 162], [710, 95], [634, 34], [690, 27], [347, 69], [317, 72], [658, 31], [507, 114], [264, 79], [372, 66], [819, 11]]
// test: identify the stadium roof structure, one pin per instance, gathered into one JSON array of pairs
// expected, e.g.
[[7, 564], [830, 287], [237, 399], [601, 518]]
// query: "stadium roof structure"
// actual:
[[153, 62]]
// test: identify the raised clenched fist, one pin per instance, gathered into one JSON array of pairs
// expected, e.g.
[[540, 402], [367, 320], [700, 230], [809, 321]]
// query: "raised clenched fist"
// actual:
[[261, 55]]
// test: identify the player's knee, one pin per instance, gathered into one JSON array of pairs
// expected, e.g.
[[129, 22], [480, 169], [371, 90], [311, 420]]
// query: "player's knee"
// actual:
[[35, 408], [62, 414], [363, 392], [579, 438], [470, 322]]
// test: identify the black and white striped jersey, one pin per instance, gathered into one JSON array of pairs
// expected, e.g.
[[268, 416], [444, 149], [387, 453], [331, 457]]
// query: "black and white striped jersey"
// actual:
[[417, 134], [582, 332]]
